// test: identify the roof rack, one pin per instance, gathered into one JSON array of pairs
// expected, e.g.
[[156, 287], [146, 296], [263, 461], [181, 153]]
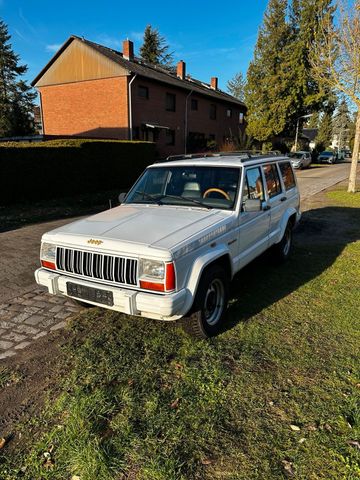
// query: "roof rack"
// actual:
[[244, 154]]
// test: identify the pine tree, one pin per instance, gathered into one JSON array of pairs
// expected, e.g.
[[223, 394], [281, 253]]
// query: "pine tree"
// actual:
[[16, 97], [325, 132], [154, 49], [267, 93], [280, 85], [236, 86], [307, 94]]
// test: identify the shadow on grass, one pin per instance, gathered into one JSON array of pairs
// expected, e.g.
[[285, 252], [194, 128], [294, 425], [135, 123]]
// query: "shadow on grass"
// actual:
[[319, 239]]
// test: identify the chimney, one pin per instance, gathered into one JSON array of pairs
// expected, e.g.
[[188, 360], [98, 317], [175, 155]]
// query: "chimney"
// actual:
[[181, 70], [214, 83], [128, 50]]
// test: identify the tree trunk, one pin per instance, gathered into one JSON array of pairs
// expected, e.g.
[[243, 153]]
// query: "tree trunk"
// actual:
[[355, 156]]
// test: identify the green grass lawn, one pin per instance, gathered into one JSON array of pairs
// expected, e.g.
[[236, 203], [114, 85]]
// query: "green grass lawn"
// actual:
[[276, 395]]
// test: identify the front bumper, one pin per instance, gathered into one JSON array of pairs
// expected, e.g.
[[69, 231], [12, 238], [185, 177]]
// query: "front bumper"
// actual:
[[159, 307]]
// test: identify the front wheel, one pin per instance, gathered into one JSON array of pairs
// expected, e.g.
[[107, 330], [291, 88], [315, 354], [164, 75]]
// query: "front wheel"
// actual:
[[209, 309]]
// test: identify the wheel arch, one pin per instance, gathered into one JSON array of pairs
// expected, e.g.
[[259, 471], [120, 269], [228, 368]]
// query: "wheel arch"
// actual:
[[289, 216], [220, 256]]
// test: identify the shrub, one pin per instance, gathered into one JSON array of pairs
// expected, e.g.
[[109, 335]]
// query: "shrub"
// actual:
[[59, 168]]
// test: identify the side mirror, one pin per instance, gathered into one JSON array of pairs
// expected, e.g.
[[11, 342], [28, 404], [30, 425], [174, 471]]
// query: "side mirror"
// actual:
[[252, 205], [122, 197]]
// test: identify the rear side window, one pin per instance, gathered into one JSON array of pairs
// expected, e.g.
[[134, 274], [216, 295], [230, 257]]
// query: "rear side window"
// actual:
[[272, 180], [287, 175], [253, 187]]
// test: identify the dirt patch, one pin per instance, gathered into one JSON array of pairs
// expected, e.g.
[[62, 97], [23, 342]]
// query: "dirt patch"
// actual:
[[32, 377]]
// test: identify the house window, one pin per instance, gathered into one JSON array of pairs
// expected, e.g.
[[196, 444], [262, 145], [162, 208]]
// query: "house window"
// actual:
[[143, 92], [212, 111], [170, 137], [170, 102], [229, 113], [194, 104], [241, 117]]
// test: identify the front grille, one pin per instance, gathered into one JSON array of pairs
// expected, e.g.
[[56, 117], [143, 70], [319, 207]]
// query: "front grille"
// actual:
[[97, 265]]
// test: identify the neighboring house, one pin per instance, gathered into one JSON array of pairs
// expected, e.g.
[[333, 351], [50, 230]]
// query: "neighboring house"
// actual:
[[310, 134], [89, 90]]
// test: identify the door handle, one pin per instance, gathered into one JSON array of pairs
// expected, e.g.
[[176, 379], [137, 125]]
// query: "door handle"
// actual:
[[282, 199], [266, 207]]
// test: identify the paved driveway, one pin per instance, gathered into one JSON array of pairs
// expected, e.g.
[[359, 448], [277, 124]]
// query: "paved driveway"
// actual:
[[28, 312]]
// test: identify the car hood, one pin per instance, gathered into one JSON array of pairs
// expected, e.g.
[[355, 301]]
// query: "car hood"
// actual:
[[138, 229]]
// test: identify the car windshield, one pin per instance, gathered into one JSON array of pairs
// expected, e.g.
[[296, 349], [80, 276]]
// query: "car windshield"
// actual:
[[296, 155], [196, 186], [327, 154]]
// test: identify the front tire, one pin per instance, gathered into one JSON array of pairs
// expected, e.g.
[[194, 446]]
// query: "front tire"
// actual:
[[210, 304]]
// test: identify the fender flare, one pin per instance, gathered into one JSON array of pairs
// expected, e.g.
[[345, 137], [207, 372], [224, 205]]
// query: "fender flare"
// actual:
[[199, 266], [284, 221]]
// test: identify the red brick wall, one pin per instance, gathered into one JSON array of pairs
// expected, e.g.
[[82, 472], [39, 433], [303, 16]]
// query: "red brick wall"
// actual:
[[152, 110], [94, 108]]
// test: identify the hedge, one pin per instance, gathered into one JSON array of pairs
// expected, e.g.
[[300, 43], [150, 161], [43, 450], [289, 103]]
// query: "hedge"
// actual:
[[59, 168]]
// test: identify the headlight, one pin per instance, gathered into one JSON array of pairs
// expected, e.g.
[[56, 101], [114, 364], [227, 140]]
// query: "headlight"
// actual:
[[48, 252], [156, 275], [152, 269]]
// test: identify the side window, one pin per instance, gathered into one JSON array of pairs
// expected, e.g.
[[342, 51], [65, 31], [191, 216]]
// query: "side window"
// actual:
[[272, 180], [253, 187], [287, 175]]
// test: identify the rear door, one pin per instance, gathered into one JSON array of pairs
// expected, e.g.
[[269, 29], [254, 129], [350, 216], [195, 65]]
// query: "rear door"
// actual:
[[275, 198]]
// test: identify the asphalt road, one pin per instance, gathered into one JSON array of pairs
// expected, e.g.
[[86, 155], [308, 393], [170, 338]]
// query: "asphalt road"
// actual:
[[315, 179]]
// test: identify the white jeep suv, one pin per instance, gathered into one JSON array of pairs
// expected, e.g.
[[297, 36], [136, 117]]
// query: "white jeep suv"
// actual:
[[182, 232]]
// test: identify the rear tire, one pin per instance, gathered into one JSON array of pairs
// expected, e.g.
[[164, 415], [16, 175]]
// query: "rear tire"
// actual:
[[282, 250], [209, 310]]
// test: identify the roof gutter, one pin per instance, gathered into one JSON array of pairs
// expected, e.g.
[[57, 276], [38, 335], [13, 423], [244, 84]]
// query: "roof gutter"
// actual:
[[130, 108]]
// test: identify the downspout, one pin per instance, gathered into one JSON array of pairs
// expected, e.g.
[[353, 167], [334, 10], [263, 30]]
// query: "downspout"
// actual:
[[130, 108], [186, 121], [41, 115]]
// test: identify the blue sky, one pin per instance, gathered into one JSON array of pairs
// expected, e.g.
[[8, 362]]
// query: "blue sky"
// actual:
[[213, 38]]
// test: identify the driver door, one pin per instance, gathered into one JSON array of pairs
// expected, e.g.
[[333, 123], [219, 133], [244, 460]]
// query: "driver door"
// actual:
[[253, 226]]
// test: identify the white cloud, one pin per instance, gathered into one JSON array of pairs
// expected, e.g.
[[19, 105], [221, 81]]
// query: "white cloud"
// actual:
[[18, 33], [54, 47], [136, 36], [111, 42]]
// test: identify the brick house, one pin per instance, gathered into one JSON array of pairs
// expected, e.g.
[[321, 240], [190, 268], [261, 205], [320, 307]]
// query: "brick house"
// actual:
[[89, 90]]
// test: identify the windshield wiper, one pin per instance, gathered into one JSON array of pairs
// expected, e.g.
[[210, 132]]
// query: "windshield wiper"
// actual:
[[150, 197], [197, 202]]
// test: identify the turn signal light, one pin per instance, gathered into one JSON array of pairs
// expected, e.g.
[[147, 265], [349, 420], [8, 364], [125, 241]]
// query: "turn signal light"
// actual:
[[46, 264], [170, 280], [159, 287]]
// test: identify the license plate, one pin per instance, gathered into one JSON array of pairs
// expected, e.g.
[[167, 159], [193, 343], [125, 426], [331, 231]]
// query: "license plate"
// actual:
[[104, 297]]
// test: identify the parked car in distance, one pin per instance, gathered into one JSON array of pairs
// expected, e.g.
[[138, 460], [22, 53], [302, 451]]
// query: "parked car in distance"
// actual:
[[345, 153], [170, 250], [300, 159], [327, 157]]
